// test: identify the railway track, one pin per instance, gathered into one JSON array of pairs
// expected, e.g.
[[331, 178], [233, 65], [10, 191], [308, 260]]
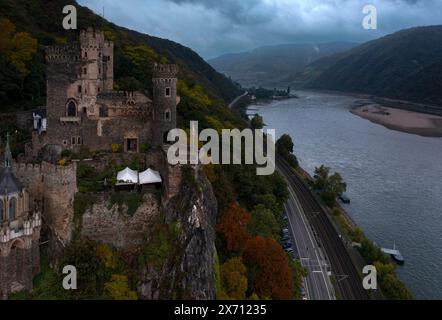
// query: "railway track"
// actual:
[[348, 282]]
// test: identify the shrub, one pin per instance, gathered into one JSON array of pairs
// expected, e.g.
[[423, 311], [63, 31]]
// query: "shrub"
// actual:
[[115, 147], [144, 147], [131, 200]]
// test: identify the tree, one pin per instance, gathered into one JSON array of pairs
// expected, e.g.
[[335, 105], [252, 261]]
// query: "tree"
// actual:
[[390, 285], [284, 144], [270, 275], [264, 223], [233, 227], [329, 186], [257, 122], [234, 279], [118, 288], [284, 147], [19, 48]]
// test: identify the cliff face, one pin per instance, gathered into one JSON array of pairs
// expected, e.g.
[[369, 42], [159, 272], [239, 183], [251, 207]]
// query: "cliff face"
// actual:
[[189, 270], [174, 239]]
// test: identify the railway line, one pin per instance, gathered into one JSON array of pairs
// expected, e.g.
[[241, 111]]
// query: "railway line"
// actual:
[[348, 282]]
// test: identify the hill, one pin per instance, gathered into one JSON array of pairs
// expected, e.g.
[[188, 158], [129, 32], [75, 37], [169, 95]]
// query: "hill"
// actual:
[[405, 65], [270, 66], [134, 55]]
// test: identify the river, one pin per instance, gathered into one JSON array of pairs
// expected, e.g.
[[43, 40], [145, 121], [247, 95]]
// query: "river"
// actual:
[[394, 179]]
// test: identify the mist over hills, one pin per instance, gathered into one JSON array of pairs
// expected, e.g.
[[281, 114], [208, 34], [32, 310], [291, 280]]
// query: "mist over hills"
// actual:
[[269, 66], [405, 65]]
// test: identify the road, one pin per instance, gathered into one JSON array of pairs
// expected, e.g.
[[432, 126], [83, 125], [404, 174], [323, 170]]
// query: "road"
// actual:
[[317, 284], [237, 98], [347, 280]]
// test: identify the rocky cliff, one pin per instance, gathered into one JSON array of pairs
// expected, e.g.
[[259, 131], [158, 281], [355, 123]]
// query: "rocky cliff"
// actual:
[[189, 270]]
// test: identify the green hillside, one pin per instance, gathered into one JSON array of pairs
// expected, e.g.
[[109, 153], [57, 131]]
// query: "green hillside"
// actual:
[[270, 66], [405, 65], [22, 69]]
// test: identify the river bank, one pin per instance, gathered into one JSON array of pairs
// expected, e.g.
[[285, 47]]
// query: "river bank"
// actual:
[[422, 124], [395, 198]]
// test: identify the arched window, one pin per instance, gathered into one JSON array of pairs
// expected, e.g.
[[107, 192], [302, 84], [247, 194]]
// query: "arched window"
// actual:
[[1, 211], [72, 109], [12, 209]]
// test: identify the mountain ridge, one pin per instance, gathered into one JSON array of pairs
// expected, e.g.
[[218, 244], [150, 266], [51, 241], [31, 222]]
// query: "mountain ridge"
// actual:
[[269, 65]]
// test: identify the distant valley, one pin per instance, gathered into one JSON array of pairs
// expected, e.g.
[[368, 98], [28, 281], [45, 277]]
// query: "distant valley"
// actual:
[[271, 66], [406, 65]]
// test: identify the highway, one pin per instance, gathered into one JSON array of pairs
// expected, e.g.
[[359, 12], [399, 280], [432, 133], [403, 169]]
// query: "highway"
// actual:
[[317, 284], [347, 281]]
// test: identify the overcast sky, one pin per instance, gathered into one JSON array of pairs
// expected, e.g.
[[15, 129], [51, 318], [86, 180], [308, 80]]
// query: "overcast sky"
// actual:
[[215, 27]]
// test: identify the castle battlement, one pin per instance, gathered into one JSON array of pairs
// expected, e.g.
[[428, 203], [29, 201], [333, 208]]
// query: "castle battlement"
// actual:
[[63, 54], [165, 71], [44, 168]]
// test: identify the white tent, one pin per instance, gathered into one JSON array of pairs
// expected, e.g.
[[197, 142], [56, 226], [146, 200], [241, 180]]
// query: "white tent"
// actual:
[[149, 177], [127, 176]]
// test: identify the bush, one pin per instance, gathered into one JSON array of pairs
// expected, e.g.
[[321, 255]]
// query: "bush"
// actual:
[[115, 147], [82, 202], [66, 153], [131, 200], [144, 147]]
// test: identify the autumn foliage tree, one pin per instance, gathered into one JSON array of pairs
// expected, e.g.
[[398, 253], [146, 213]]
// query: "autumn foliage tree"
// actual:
[[234, 279], [233, 227], [270, 275]]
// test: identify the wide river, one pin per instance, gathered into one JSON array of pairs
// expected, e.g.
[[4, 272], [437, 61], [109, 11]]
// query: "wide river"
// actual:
[[394, 179]]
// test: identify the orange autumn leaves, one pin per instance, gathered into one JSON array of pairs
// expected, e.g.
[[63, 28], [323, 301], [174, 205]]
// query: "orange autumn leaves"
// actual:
[[233, 226], [268, 272]]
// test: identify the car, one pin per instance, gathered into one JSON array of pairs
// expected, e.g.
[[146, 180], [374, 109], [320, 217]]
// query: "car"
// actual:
[[285, 238], [289, 250], [302, 291], [285, 231], [285, 217], [287, 245]]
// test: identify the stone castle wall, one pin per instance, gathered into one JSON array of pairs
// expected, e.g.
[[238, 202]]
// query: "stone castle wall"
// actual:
[[53, 187], [115, 227], [18, 268]]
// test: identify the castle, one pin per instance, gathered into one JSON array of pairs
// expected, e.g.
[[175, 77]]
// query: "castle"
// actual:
[[19, 232], [83, 111]]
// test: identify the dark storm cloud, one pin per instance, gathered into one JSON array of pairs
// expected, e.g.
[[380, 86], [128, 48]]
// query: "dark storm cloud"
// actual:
[[213, 27]]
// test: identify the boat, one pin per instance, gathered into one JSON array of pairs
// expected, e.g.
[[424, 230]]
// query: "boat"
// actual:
[[394, 254], [344, 199]]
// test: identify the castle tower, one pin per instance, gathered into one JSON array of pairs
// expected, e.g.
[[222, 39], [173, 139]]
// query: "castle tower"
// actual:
[[76, 74], [19, 233], [165, 101]]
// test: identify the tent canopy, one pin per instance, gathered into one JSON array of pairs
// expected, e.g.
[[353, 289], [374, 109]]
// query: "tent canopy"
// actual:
[[127, 176], [149, 176]]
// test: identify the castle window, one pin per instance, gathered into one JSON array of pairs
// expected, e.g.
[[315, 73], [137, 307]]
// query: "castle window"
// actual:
[[1, 211], [65, 142], [84, 110], [84, 70], [73, 141], [12, 209], [79, 141], [72, 109], [167, 115], [168, 92], [79, 89], [85, 54], [132, 145], [103, 112]]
